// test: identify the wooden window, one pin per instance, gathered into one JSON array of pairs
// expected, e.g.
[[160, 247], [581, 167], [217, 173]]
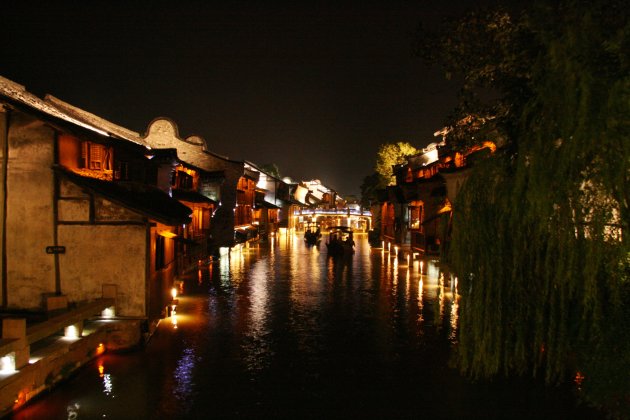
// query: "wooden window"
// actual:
[[95, 156]]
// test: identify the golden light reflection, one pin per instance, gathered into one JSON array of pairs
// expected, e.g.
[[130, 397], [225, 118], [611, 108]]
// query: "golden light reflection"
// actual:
[[441, 297], [395, 279], [454, 322], [579, 378], [407, 285], [108, 385], [420, 301], [258, 298]]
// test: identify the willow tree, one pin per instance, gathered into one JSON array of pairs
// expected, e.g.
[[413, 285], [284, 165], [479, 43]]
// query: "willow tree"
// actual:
[[540, 235]]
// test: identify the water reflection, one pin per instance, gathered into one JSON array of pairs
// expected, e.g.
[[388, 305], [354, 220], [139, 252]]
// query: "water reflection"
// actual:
[[183, 375], [108, 386], [284, 331]]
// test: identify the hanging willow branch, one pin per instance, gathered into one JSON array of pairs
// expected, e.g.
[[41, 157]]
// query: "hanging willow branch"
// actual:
[[540, 231]]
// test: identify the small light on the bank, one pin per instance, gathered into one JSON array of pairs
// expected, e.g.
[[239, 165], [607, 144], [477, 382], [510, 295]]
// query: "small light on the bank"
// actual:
[[174, 292], [7, 363], [109, 312], [71, 331]]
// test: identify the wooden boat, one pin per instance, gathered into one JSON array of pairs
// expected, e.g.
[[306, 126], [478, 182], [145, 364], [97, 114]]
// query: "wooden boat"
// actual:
[[312, 234], [340, 241]]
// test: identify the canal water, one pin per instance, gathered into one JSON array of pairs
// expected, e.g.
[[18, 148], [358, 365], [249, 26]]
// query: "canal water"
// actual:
[[282, 331]]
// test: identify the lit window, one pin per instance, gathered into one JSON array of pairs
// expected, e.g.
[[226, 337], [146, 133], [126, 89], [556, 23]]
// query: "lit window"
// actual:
[[95, 156]]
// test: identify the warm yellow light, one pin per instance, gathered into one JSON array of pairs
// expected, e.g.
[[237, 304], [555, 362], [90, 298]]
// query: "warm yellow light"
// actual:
[[167, 234], [174, 292]]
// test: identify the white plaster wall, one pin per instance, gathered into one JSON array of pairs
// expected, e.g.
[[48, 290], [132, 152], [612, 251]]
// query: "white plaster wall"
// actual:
[[105, 254], [30, 270]]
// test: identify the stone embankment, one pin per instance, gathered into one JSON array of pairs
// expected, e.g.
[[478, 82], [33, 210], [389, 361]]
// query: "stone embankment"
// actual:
[[34, 358]]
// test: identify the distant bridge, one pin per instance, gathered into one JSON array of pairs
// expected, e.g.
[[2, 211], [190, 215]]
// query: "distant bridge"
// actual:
[[360, 220]]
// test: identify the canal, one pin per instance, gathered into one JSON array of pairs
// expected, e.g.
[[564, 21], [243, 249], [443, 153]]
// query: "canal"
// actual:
[[282, 331]]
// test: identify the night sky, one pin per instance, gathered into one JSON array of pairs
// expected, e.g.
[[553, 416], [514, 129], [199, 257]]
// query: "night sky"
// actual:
[[314, 87]]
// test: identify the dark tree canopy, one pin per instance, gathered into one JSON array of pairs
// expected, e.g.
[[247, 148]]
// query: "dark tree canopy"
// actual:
[[540, 234], [271, 169], [371, 184]]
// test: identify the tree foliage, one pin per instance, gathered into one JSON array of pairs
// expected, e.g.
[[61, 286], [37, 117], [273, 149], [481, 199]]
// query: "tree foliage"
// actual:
[[271, 169], [491, 51], [540, 234], [391, 154]]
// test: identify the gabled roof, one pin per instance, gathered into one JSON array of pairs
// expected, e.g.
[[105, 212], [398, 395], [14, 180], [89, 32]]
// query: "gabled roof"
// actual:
[[147, 200]]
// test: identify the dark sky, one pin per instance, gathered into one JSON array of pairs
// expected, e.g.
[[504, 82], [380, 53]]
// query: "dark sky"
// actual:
[[314, 87]]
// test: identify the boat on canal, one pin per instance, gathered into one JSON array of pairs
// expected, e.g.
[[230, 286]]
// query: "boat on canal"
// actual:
[[340, 241], [312, 234]]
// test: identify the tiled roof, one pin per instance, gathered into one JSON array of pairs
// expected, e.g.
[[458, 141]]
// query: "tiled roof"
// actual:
[[18, 93], [94, 121], [145, 199]]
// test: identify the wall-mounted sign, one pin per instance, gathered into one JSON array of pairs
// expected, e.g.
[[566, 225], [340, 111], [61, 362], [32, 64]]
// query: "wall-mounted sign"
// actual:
[[57, 249]]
